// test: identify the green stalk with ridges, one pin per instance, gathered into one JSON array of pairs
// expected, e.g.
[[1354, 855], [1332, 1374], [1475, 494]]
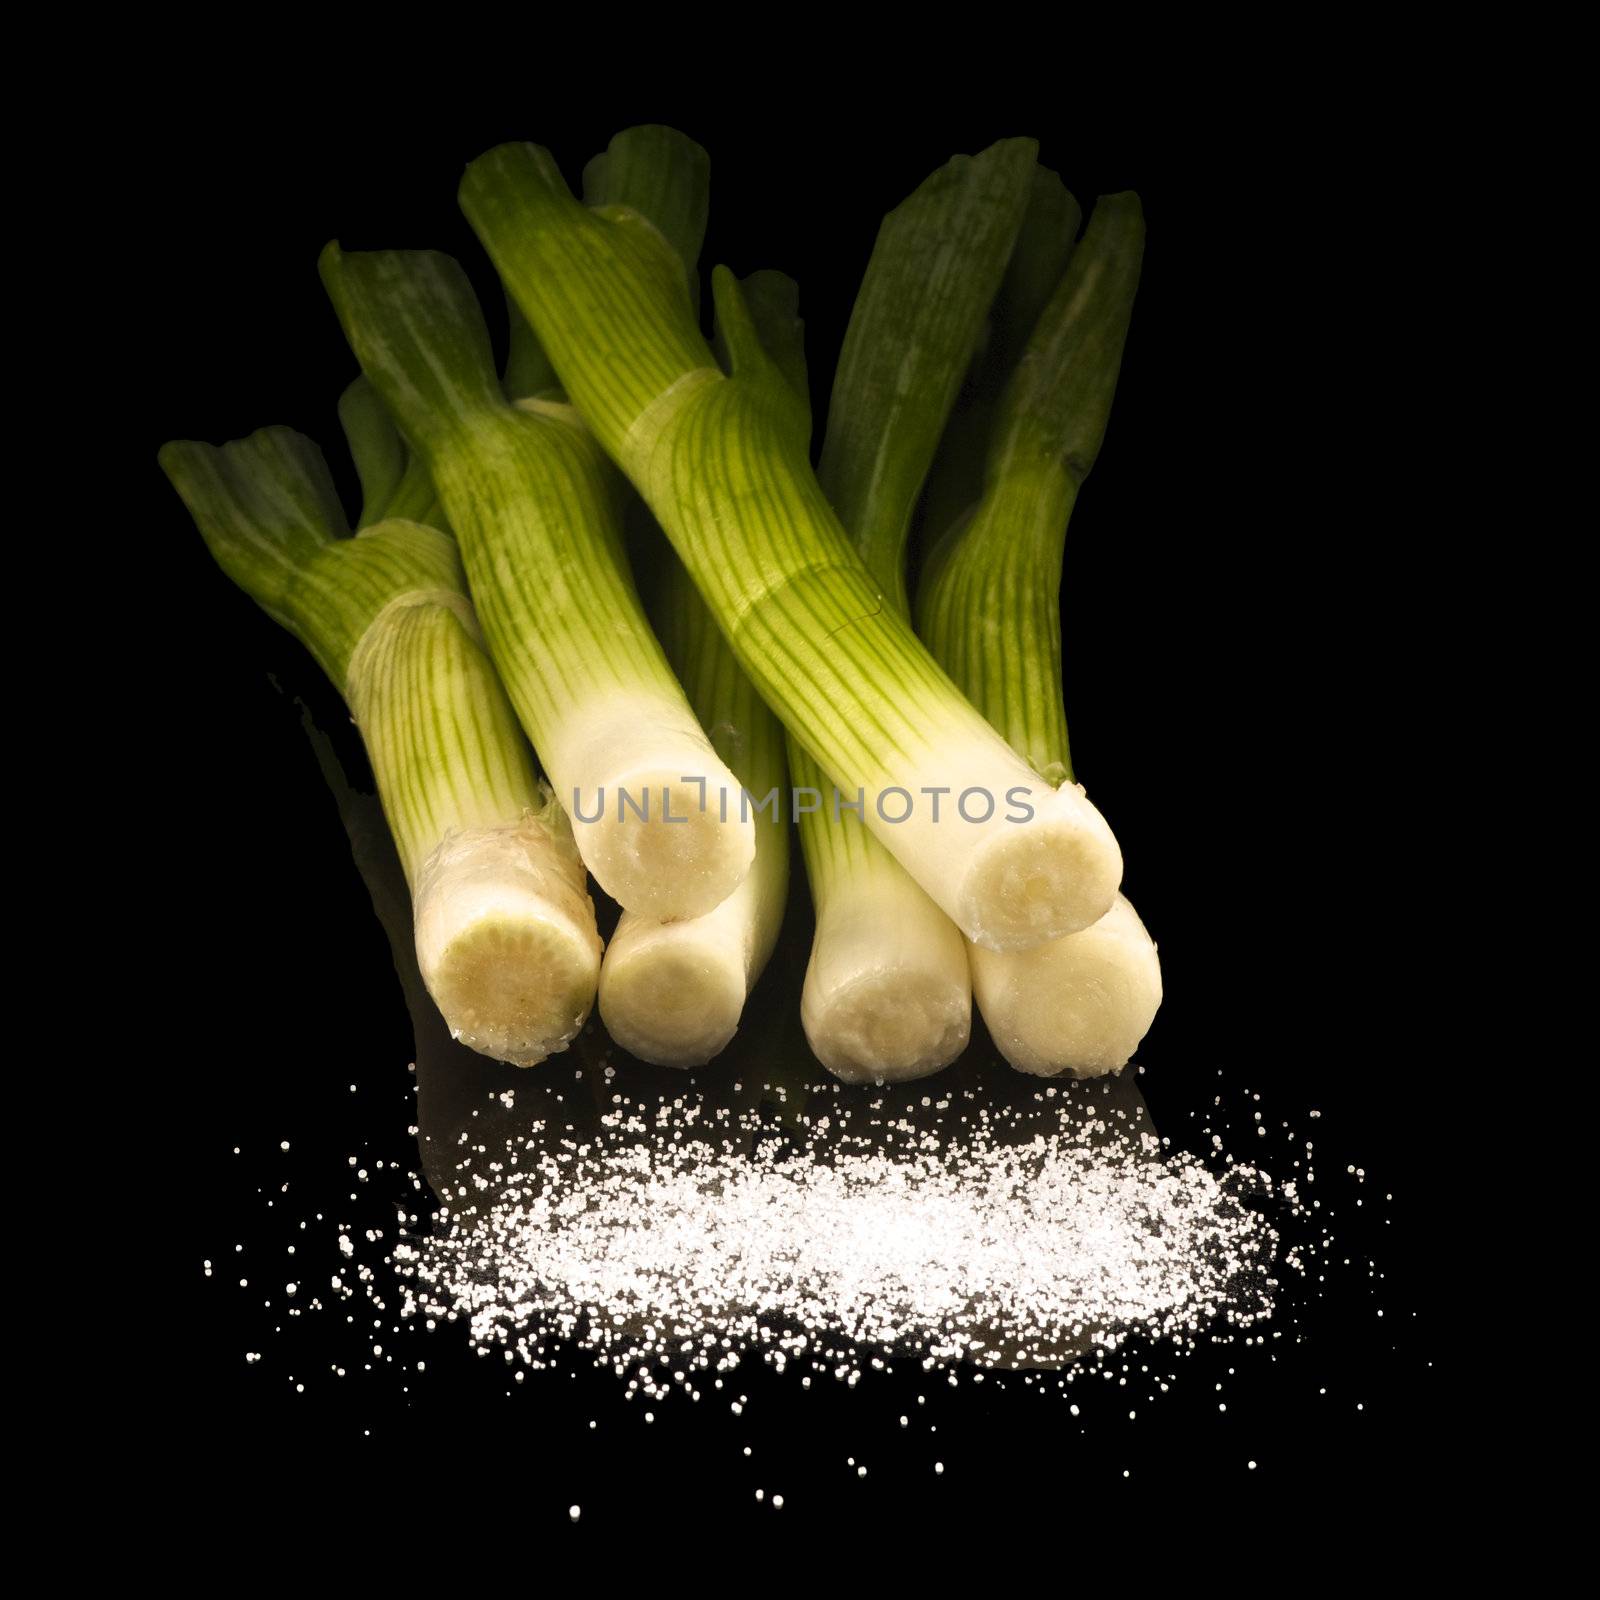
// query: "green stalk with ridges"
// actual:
[[673, 993], [654, 172], [512, 960], [721, 461], [989, 607], [887, 994], [535, 507]]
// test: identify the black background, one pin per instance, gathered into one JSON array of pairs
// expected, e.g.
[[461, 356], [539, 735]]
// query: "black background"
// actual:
[[1241, 579]]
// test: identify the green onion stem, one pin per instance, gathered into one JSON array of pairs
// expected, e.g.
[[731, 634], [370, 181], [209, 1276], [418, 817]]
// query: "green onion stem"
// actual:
[[536, 509], [989, 607], [887, 994], [505, 931], [673, 993], [721, 461]]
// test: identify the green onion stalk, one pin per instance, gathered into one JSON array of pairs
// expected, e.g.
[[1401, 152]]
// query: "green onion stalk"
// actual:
[[887, 994], [989, 608], [721, 462], [673, 993], [537, 510], [505, 930]]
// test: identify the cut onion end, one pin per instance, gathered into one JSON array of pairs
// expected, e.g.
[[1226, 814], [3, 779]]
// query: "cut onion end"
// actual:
[[671, 1002], [888, 1026], [518, 988], [1078, 1005], [1042, 879], [679, 858], [506, 940]]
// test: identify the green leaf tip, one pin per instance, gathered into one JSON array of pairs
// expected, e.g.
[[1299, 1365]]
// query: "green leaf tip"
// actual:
[[773, 301], [1045, 242], [416, 327], [664, 176], [1058, 401], [265, 505], [759, 352], [581, 276], [936, 264], [520, 174], [274, 476], [375, 447], [1044, 245]]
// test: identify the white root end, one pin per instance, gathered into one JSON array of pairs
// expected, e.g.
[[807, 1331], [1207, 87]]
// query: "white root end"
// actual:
[[656, 813], [889, 1027], [506, 940], [1078, 1005], [887, 994], [672, 993], [1040, 880], [1010, 857], [679, 858]]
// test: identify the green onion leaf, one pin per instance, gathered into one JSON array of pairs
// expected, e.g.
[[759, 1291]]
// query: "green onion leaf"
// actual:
[[535, 507], [673, 993], [887, 994], [989, 607], [505, 930]]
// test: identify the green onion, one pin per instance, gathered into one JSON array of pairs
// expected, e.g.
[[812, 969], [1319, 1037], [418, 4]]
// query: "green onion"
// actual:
[[655, 172], [536, 509], [505, 930], [673, 993], [721, 461], [887, 994], [989, 608]]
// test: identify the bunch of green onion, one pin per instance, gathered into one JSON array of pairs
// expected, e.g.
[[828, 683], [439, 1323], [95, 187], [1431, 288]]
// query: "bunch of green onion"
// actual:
[[600, 616]]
